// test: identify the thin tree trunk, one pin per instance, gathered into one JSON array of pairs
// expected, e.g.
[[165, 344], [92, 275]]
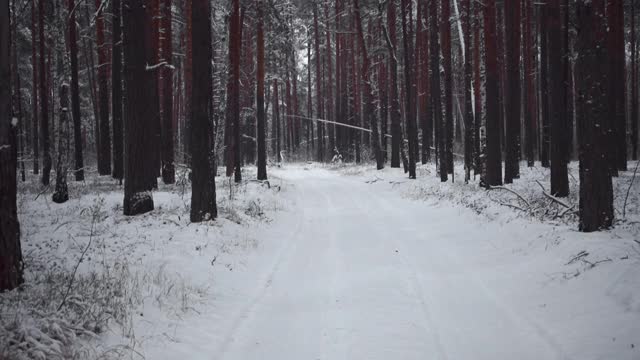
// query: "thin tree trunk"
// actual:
[[544, 86], [261, 119], [61, 193], [34, 90], [634, 85], [448, 86], [44, 100], [188, 81], [529, 88], [394, 111], [75, 93], [116, 91], [436, 93], [276, 119], [319, 111], [512, 91], [235, 41], [104, 159], [617, 80], [477, 76], [408, 74], [493, 164], [368, 93], [168, 166], [468, 105]]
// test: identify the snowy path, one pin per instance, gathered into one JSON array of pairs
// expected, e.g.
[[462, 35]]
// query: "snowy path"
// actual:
[[367, 275]]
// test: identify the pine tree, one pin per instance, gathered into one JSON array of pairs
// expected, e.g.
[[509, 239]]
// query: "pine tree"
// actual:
[[512, 91], [368, 92], [596, 192], [116, 91], [616, 57], [405, 9], [394, 111], [61, 193], [168, 166], [104, 152], [203, 193], [261, 119], [75, 93], [34, 90], [445, 37], [10, 252], [319, 106], [139, 163], [44, 99], [468, 105], [493, 163], [557, 103]]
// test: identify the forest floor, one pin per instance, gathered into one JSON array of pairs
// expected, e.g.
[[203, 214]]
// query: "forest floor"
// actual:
[[327, 262]]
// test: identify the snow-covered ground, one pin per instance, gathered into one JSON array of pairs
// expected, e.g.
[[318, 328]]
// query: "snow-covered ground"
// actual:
[[330, 262]]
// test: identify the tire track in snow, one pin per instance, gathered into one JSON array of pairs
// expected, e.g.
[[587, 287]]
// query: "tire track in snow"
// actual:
[[243, 315], [416, 287], [456, 261]]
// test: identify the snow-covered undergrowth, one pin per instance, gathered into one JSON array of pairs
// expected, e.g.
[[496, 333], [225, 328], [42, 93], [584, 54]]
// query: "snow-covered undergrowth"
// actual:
[[526, 206], [581, 290], [528, 197], [102, 285]]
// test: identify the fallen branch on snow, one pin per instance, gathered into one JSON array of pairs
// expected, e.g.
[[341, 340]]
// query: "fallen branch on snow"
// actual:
[[511, 191]]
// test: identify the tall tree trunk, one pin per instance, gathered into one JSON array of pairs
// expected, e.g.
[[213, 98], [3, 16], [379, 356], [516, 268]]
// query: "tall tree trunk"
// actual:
[[262, 150], [617, 78], [203, 194], [383, 96], [233, 113], [436, 93], [18, 114], [405, 9], [634, 85], [188, 81], [448, 85], [34, 89], [512, 93], [596, 192], [138, 198], [276, 119], [477, 77], [44, 100], [153, 57], [10, 251], [75, 93], [493, 164], [319, 106], [61, 193], [329, 84], [468, 105], [422, 68], [116, 91], [90, 69], [104, 157], [394, 111], [168, 166], [368, 92], [557, 104], [544, 85], [529, 88]]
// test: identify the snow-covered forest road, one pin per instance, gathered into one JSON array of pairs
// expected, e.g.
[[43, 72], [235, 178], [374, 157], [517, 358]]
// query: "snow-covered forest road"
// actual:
[[363, 273]]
